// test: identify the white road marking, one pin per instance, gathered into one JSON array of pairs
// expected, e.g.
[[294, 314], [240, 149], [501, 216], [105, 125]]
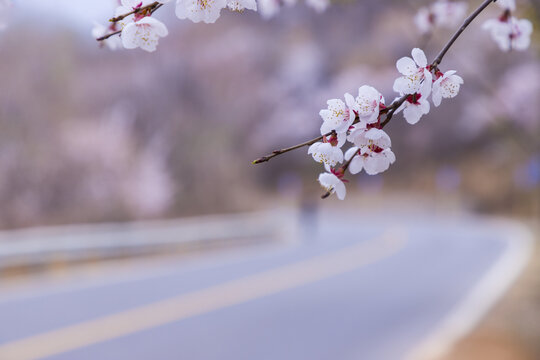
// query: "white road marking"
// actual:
[[466, 315], [203, 301]]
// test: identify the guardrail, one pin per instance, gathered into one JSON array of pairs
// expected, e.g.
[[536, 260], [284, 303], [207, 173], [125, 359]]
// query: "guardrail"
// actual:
[[40, 246]]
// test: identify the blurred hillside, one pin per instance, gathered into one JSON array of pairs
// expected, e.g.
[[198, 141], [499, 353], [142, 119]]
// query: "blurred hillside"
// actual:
[[91, 135]]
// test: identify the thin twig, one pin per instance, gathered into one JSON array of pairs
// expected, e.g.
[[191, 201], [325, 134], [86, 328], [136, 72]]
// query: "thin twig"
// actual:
[[393, 108], [282, 151], [326, 194], [298, 146], [135, 11], [105, 37], [345, 166], [465, 24]]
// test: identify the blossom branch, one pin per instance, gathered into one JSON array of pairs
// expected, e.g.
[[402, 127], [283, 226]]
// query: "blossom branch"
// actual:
[[148, 9], [298, 146], [393, 108], [419, 79], [390, 110]]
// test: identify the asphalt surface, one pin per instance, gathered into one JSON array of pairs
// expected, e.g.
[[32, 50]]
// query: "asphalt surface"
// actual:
[[351, 287]]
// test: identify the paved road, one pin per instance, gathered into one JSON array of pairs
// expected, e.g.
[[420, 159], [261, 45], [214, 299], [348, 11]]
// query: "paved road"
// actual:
[[351, 289]]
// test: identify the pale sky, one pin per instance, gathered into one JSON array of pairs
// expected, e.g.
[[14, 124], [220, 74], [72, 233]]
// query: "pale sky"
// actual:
[[79, 13]]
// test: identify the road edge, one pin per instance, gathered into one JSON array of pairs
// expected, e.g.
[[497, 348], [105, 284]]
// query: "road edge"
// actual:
[[480, 300]]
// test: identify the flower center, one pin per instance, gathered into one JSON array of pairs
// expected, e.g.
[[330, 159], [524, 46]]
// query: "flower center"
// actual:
[[203, 4], [413, 98], [339, 173], [374, 148]]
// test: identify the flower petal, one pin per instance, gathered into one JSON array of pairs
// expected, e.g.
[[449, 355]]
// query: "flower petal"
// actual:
[[406, 66], [419, 57]]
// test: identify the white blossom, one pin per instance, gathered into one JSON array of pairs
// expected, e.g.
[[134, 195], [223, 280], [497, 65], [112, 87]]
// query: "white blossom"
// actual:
[[329, 151], [333, 183], [414, 107], [366, 105], [357, 163], [510, 33], [446, 86], [372, 152], [207, 11], [356, 133], [442, 13], [144, 33], [424, 20], [336, 117], [448, 14], [326, 153], [241, 5], [416, 76]]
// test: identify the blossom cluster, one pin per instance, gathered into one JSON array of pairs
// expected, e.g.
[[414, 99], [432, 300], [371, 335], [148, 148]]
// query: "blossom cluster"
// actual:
[[358, 120], [509, 32], [140, 29], [442, 13]]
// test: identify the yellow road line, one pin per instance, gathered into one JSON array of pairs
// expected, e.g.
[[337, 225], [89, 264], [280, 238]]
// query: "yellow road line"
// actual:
[[203, 301]]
